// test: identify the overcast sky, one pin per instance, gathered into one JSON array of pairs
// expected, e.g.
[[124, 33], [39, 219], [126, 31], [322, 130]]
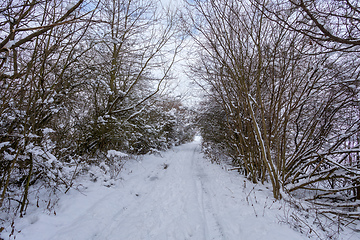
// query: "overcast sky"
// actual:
[[183, 87]]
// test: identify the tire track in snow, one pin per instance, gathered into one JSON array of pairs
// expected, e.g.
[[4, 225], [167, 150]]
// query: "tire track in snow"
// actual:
[[169, 196], [213, 227], [182, 195], [190, 199]]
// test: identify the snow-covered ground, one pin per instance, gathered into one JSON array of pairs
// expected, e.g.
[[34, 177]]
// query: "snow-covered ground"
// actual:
[[178, 195]]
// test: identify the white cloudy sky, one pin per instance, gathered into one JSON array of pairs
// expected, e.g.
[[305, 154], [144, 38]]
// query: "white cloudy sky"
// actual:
[[182, 86]]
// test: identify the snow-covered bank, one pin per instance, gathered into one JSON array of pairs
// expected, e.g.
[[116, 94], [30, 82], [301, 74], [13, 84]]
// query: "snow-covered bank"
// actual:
[[178, 195]]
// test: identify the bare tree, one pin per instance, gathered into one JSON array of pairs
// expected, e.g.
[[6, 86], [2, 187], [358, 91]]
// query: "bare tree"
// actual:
[[77, 79], [286, 108], [40, 45], [332, 24], [135, 47], [334, 21]]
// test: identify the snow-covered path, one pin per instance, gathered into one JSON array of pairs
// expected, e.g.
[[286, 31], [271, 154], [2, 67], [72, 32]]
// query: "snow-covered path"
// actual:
[[179, 195]]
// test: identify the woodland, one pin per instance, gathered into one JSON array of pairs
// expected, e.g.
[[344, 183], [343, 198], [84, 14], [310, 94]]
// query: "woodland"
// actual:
[[88, 82]]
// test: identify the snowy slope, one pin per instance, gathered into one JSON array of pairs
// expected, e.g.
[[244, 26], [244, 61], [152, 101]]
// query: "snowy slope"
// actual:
[[178, 195]]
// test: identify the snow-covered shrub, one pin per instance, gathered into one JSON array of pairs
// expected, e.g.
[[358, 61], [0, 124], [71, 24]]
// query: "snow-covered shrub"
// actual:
[[67, 98], [115, 161]]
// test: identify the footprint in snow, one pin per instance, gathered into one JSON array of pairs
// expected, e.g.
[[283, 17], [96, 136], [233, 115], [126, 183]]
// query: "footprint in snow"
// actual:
[[153, 178]]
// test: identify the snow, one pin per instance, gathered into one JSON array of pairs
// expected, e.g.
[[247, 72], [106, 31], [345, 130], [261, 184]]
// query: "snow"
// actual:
[[178, 195], [4, 144], [70, 6], [10, 43], [114, 153], [48, 130]]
